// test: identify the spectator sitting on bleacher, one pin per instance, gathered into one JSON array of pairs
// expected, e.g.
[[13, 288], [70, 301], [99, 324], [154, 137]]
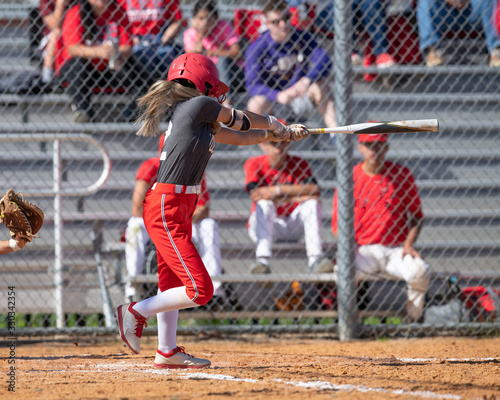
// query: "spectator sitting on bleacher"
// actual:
[[216, 38], [155, 25], [387, 220], [367, 14], [288, 66], [52, 13], [435, 18], [285, 206], [205, 230], [9, 246], [95, 52]]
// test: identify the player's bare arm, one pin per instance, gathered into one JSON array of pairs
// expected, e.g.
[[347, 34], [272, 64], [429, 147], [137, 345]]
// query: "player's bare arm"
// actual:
[[285, 193], [54, 19], [140, 189], [171, 32], [415, 227], [232, 117], [244, 128], [288, 192], [9, 246], [200, 213]]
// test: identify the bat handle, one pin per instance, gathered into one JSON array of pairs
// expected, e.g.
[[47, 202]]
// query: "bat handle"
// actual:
[[316, 131]]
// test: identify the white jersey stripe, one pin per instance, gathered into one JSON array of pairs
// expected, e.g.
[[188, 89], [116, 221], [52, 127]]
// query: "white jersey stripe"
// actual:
[[163, 155]]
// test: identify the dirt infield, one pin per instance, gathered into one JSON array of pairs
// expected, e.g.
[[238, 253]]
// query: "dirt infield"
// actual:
[[259, 367]]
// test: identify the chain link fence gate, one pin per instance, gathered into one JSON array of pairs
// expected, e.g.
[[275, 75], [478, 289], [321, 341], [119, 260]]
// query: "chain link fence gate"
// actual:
[[455, 171]]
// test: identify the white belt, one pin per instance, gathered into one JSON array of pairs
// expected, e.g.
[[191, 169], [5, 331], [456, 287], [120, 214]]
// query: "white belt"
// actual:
[[194, 189]]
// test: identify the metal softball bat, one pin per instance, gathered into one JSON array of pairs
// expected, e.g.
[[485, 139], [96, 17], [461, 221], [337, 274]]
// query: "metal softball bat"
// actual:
[[409, 125]]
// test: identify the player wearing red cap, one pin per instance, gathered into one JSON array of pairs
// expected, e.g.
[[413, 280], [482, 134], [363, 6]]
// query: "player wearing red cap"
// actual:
[[387, 220], [191, 98]]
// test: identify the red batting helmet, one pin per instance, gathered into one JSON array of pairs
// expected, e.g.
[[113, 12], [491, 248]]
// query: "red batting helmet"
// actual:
[[201, 71]]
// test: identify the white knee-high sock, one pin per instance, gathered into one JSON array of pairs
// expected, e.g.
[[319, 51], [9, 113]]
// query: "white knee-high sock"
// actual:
[[169, 300], [167, 330]]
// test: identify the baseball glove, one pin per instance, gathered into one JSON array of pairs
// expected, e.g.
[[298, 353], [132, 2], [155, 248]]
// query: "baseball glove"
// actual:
[[292, 300], [22, 218]]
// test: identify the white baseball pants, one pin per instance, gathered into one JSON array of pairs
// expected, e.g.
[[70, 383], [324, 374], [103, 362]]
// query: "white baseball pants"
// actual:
[[137, 238], [305, 221], [207, 241], [376, 258]]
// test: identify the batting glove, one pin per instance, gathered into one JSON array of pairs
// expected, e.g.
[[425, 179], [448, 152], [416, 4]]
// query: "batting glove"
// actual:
[[280, 132], [298, 132]]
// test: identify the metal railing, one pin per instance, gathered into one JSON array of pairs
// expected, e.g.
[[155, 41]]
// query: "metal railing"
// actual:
[[58, 192]]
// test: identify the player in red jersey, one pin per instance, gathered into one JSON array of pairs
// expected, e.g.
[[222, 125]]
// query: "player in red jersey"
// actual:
[[387, 220], [285, 206], [52, 13], [155, 24], [95, 51], [192, 99]]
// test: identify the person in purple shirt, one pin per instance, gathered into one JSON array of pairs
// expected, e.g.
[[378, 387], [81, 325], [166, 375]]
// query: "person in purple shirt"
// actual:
[[287, 66]]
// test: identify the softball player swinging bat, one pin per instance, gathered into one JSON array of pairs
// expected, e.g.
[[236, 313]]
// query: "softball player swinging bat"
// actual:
[[193, 95]]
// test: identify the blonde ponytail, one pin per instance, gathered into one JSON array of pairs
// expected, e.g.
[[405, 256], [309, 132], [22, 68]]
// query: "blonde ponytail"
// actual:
[[160, 98]]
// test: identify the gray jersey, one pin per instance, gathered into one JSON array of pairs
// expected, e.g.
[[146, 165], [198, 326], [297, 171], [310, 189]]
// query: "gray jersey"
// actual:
[[189, 141]]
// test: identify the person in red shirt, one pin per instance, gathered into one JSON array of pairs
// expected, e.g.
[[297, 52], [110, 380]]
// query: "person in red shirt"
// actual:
[[155, 25], [52, 13], [285, 206], [95, 51], [387, 220], [205, 230]]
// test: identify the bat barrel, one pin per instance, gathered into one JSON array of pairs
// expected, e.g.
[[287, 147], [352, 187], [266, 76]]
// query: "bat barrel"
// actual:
[[406, 126]]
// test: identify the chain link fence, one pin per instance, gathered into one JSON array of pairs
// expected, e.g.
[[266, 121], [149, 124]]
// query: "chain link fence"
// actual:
[[390, 60]]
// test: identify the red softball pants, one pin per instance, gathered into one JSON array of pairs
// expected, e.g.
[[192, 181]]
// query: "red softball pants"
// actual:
[[168, 219]]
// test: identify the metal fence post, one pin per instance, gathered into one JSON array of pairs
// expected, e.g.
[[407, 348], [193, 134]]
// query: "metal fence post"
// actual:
[[58, 237], [107, 307], [346, 283]]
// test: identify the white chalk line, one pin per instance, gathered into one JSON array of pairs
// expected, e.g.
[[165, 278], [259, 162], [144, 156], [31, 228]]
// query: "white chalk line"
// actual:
[[446, 359], [315, 385]]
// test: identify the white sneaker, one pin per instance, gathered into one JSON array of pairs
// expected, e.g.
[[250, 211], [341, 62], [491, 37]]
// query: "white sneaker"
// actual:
[[259, 268], [321, 266], [130, 324], [178, 358]]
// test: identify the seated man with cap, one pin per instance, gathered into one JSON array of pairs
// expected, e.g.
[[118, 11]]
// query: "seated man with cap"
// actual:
[[387, 221]]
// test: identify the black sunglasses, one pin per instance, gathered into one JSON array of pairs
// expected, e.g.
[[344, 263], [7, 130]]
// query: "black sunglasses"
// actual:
[[285, 17]]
